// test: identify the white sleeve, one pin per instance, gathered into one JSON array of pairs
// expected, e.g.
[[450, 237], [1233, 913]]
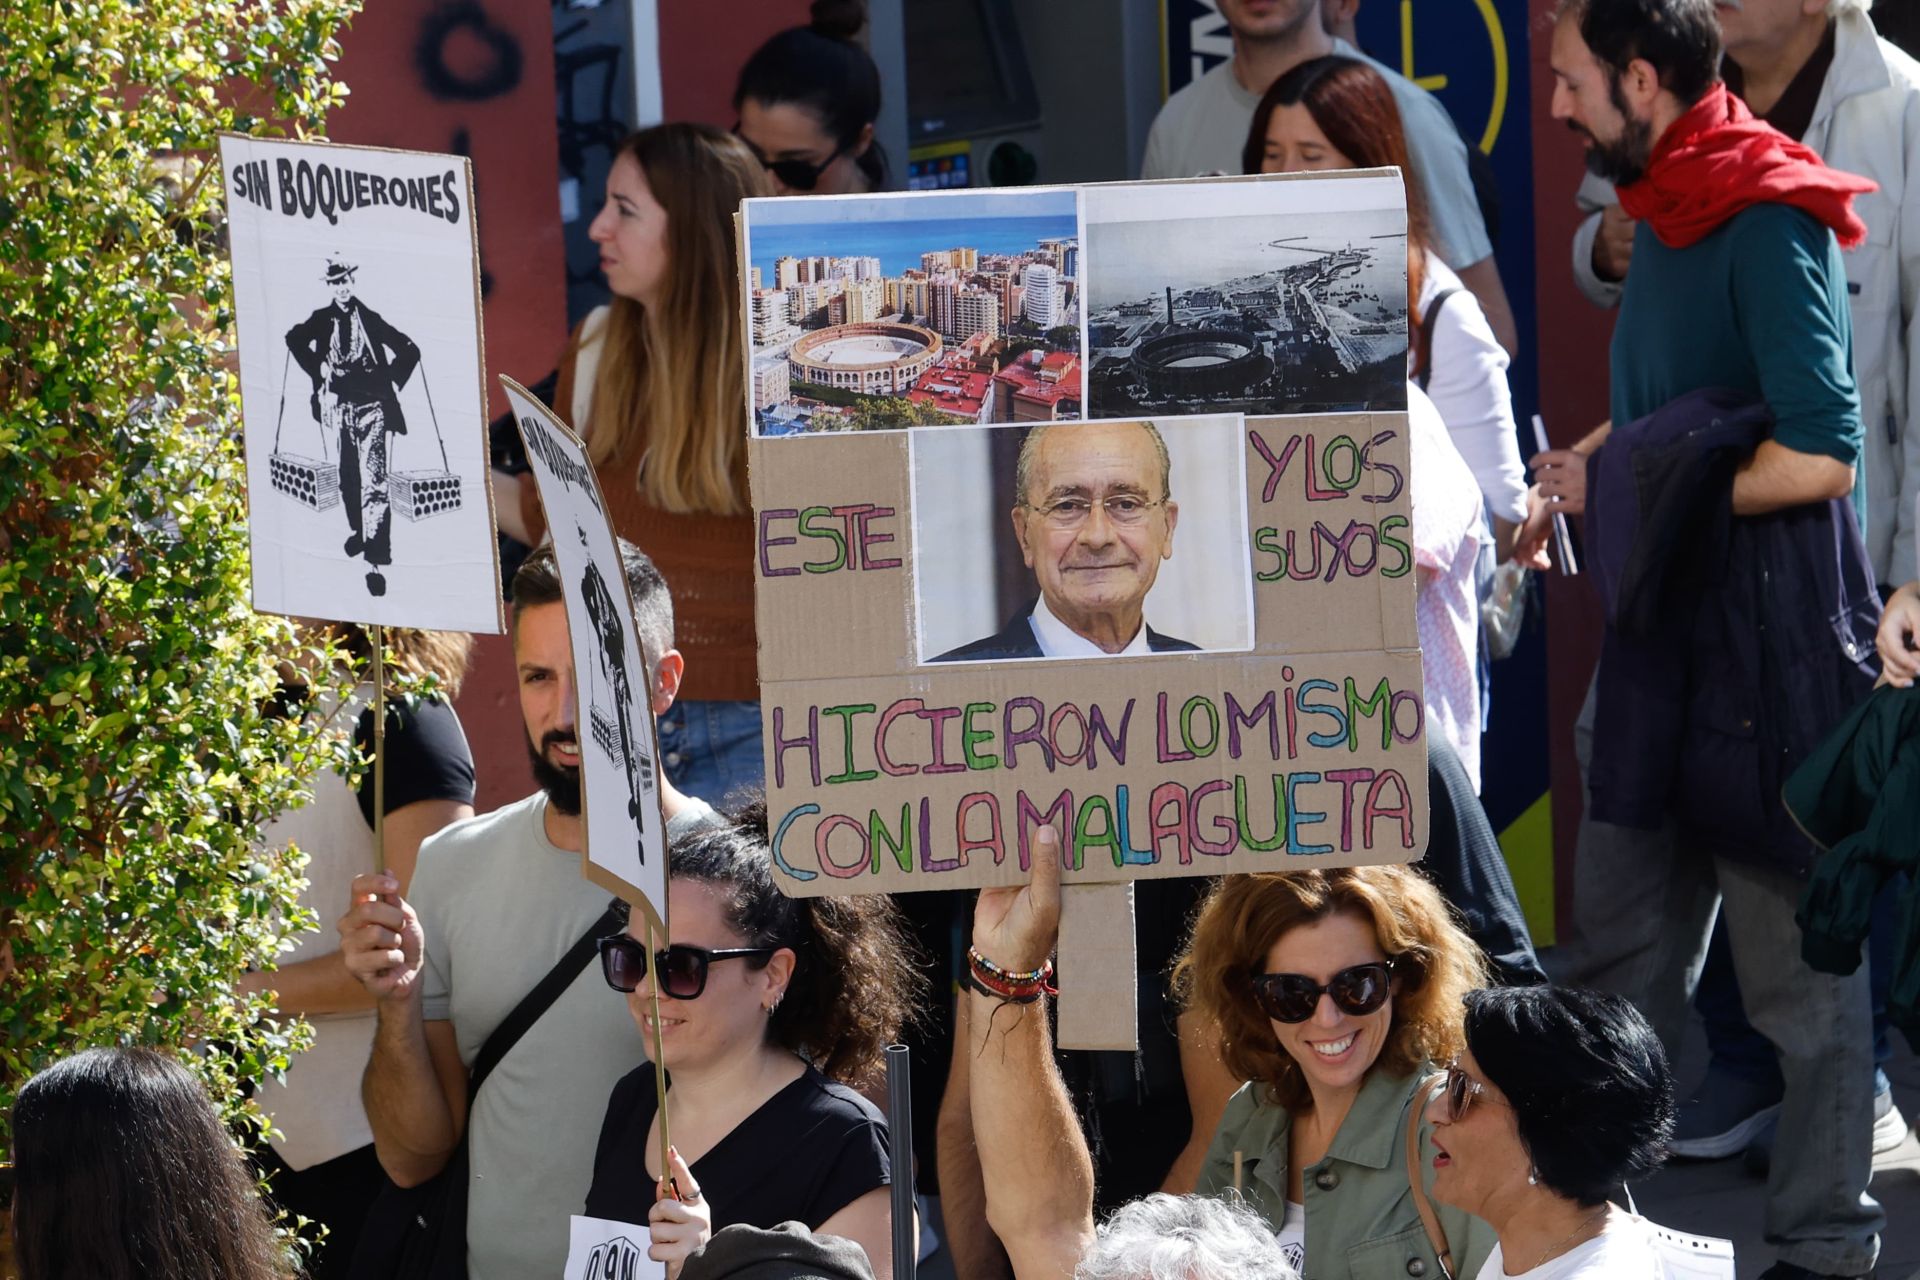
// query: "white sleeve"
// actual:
[[1469, 388], [1439, 153], [1594, 195], [1157, 163], [1903, 567], [427, 896]]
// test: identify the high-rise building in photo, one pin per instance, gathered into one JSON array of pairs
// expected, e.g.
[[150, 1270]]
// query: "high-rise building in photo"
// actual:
[[770, 322], [858, 302], [950, 260], [976, 311], [1042, 295], [941, 317], [786, 272], [772, 381]]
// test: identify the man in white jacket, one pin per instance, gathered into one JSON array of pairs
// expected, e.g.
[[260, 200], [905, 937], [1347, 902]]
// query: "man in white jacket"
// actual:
[[1817, 71]]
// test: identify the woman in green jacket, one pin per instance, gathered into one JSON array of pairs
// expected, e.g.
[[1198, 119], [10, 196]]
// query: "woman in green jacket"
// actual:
[[1335, 993]]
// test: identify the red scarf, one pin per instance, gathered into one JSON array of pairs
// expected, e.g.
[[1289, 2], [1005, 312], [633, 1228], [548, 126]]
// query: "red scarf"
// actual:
[[1717, 159]]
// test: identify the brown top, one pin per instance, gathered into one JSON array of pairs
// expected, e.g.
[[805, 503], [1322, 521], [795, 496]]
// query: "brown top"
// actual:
[[707, 561]]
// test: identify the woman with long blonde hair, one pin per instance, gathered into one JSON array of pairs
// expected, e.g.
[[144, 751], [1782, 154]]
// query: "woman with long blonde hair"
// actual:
[[652, 382]]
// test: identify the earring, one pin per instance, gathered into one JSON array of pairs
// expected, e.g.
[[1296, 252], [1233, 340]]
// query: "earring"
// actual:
[[770, 1009], [1533, 1177]]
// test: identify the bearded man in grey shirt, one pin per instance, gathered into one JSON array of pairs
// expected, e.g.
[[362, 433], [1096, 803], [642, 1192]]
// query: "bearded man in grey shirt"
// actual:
[[496, 901]]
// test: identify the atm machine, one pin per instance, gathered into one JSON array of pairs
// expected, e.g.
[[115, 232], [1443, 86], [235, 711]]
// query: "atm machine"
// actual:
[[1015, 92]]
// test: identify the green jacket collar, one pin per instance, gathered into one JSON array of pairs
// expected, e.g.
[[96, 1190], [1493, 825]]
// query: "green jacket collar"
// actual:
[[1371, 1135]]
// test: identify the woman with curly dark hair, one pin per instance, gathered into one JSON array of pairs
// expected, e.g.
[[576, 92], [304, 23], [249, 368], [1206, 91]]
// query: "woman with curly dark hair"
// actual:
[[773, 1012], [1335, 992], [122, 1170]]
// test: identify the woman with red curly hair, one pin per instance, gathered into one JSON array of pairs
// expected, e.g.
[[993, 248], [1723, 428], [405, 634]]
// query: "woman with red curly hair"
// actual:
[[1335, 992]]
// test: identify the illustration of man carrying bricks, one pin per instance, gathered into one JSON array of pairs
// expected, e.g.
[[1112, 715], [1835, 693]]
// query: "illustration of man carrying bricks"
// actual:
[[358, 364]]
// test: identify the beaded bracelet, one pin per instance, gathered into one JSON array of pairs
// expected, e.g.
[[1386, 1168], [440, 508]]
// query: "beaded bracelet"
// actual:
[[988, 978], [980, 962]]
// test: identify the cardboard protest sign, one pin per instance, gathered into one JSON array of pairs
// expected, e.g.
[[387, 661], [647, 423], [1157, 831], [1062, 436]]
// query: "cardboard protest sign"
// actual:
[[619, 758], [356, 296], [1183, 635], [601, 1249]]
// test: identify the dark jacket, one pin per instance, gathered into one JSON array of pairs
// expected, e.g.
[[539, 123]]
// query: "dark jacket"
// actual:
[[309, 340], [1858, 797], [1732, 645], [1016, 640]]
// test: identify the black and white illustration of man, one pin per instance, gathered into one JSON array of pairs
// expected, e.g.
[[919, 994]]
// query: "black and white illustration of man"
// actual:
[[1095, 519], [358, 363], [610, 644]]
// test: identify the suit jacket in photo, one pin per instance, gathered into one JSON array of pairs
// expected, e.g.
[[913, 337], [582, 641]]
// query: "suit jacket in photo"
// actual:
[[309, 342], [1016, 640]]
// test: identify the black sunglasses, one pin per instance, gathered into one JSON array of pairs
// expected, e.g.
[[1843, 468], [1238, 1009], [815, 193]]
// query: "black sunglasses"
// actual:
[[1292, 997], [795, 175], [683, 969]]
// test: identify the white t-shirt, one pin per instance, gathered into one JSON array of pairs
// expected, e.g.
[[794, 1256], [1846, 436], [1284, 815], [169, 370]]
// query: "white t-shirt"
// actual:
[[1468, 385], [1203, 129], [500, 903], [1292, 1237], [1621, 1252]]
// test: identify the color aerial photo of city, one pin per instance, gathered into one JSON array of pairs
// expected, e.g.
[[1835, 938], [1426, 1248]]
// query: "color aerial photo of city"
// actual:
[[1291, 310], [872, 313]]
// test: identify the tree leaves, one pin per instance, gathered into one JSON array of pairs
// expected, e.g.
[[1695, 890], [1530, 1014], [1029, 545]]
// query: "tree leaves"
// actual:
[[140, 750]]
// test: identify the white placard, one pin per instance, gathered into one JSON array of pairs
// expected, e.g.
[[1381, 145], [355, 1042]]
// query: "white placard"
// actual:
[[601, 1249], [363, 385], [619, 771]]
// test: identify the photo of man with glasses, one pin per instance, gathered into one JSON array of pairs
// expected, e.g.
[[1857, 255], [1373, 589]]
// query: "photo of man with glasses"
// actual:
[[1094, 519]]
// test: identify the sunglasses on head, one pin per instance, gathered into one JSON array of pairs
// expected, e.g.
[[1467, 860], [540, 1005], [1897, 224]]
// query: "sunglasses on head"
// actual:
[[1462, 1091], [1292, 997], [683, 969], [794, 174]]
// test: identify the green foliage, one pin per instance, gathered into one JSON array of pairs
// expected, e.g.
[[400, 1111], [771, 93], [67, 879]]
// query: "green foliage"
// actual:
[[889, 413], [139, 756]]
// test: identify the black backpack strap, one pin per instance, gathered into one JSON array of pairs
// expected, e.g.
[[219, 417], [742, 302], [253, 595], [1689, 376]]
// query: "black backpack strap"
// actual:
[[537, 1001], [1426, 336]]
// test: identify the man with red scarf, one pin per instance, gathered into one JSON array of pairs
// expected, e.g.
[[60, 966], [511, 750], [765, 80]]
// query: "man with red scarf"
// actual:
[[1820, 72], [1737, 283]]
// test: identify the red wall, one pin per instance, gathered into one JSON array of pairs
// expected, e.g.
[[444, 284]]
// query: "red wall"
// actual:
[[702, 46], [1573, 338], [478, 79]]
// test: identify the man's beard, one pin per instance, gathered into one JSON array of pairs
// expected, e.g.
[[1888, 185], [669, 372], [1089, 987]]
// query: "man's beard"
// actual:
[[562, 785], [1624, 160]]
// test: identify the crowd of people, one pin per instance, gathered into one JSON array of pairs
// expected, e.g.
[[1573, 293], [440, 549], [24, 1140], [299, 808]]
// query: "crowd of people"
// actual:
[[1359, 1072]]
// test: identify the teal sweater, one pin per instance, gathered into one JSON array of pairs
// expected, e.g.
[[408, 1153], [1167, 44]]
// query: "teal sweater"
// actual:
[[1759, 306]]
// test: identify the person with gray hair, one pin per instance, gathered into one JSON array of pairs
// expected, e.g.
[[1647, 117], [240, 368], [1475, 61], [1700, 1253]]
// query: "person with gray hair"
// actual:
[[1167, 1237], [1094, 514]]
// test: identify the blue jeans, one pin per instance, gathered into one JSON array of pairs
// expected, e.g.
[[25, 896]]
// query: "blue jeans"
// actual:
[[1643, 909], [712, 750]]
